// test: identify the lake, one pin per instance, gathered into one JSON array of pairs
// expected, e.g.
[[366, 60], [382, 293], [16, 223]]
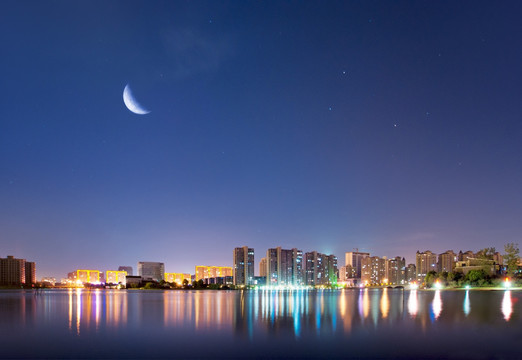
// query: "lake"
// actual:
[[366, 323]]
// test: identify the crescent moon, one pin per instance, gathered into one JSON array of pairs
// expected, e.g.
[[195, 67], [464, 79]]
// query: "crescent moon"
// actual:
[[131, 103]]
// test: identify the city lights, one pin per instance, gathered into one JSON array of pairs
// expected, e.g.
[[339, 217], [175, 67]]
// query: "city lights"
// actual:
[[438, 285], [507, 283]]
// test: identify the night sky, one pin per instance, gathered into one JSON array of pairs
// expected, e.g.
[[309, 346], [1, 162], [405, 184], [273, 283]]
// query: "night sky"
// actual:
[[387, 126]]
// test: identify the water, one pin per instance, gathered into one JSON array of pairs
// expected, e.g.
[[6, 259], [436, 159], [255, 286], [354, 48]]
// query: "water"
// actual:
[[370, 323]]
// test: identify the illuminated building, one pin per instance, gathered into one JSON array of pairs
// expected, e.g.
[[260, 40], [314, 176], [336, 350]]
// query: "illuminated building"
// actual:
[[489, 266], [127, 269], [116, 277], [447, 261], [411, 273], [284, 267], [243, 266], [320, 269], [205, 272], [346, 272], [177, 278], [17, 271], [49, 280], [354, 259], [262, 267], [373, 270], [151, 270], [87, 276], [425, 262], [394, 270]]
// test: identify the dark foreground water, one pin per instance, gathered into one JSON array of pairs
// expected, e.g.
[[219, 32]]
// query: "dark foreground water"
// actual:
[[366, 323]]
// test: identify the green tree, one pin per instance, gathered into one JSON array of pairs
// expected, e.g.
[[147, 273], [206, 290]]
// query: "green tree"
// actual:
[[476, 276], [185, 283], [430, 278], [511, 257]]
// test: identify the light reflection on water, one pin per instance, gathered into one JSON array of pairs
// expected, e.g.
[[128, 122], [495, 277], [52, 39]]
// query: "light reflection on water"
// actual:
[[437, 304], [413, 303], [254, 315], [507, 305], [467, 306]]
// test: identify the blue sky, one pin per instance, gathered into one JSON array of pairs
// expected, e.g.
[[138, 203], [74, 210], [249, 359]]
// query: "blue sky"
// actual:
[[385, 126]]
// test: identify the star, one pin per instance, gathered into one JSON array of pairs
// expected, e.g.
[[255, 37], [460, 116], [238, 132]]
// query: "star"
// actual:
[[395, 125], [330, 108], [344, 72]]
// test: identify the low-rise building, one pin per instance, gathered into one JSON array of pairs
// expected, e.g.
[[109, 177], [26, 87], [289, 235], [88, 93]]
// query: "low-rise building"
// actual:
[[489, 266], [116, 277], [177, 278]]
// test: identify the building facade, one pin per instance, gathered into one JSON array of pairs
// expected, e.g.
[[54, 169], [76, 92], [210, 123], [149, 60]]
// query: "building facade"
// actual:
[[177, 278], [127, 269], [447, 261], [320, 269], [243, 266], [151, 270], [284, 267], [262, 267], [411, 273], [424, 263], [395, 270], [17, 272], [373, 270], [354, 259], [116, 277], [206, 272], [84, 276]]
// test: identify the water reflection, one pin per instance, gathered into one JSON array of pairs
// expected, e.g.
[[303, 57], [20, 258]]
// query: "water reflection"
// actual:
[[413, 303], [303, 323], [250, 313], [507, 305], [385, 304], [437, 304], [466, 306]]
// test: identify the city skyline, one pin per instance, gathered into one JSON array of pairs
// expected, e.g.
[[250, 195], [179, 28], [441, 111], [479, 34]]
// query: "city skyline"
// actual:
[[443, 262], [325, 127]]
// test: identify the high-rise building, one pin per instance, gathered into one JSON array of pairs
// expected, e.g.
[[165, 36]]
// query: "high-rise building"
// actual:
[[395, 270], [373, 270], [127, 269], [447, 261], [30, 273], [208, 272], [354, 258], [320, 269], [151, 270], [243, 266], [284, 267], [464, 256], [262, 267], [425, 262], [411, 273], [12, 271], [116, 277]]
